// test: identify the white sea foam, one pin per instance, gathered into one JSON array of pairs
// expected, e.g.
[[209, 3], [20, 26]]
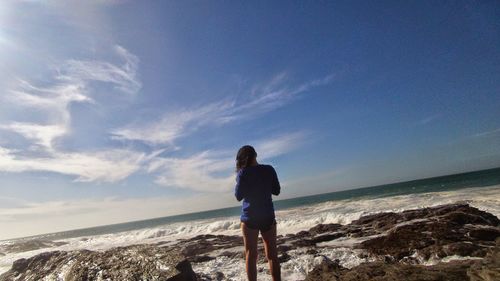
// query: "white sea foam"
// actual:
[[295, 269], [289, 221], [435, 260]]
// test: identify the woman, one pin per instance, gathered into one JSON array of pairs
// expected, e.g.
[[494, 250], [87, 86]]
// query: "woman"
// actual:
[[255, 183]]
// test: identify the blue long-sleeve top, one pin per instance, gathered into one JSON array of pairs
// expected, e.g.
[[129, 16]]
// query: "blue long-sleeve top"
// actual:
[[255, 185]]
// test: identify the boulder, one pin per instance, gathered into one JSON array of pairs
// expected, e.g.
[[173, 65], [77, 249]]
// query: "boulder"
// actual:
[[382, 271], [136, 262]]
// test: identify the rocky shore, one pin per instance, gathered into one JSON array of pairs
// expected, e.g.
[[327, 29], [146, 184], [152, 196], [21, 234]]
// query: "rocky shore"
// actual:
[[448, 242]]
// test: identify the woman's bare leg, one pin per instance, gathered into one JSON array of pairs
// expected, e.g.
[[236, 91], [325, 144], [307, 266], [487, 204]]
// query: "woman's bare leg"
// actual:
[[250, 239], [269, 238]]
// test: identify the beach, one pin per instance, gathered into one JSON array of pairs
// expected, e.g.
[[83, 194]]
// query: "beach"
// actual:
[[214, 246]]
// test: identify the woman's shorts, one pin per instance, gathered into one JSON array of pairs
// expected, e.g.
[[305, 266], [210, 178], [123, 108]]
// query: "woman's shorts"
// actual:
[[261, 225]]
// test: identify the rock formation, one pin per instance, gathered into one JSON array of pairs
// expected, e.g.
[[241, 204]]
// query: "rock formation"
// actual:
[[137, 262], [409, 245]]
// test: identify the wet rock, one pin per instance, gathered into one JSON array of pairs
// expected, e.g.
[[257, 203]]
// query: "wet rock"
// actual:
[[202, 258], [284, 257], [400, 242], [216, 276], [485, 234], [326, 237], [137, 262], [382, 271], [204, 244], [403, 240], [324, 228], [463, 249], [438, 231], [489, 268], [326, 271]]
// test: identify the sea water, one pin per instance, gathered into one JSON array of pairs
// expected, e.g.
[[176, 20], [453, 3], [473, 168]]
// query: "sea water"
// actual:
[[480, 189]]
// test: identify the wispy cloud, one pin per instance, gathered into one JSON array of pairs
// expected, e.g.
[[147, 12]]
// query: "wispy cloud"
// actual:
[[123, 76], [42, 135], [487, 133], [101, 166], [261, 98], [280, 144], [428, 119], [276, 93], [70, 85], [52, 98], [197, 172], [172, 125], [213, 171], [54, 102]]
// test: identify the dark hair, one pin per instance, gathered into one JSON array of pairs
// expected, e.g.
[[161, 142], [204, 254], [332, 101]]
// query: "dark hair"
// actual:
[[246, 154]]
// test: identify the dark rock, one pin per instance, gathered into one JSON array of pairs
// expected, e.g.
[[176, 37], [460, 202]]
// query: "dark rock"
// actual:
[[381, 271], [283, 248], [485, 234], [323, 228], [326, 271], [326, 237], [137, 262], [201, 258], [438, 231], [203, 244], [399, 241], [489, 268], [216, 276], [311, 251], [284, 257], [234, 255], [455, 229], [463, 249]]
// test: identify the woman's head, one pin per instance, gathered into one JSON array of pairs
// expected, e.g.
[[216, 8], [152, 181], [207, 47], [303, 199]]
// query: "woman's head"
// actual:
[[245, 157]]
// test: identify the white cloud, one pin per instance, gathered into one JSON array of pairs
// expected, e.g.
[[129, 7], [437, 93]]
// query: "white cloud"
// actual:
[[124, 76], [101, 166], [173, 125], [42, 135], [276, 93], [56, 97], [98, 166], [71, 84], [428, 119], [195, 172], [279, 145], [487, 133], [54, 102], [213, 171]]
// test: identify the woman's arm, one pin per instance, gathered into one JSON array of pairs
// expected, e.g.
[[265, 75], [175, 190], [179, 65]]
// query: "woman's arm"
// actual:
[[276, 188], [238, 190]]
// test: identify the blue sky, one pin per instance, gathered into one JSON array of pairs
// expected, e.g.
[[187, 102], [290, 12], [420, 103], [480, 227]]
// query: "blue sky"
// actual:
[[113, 111]]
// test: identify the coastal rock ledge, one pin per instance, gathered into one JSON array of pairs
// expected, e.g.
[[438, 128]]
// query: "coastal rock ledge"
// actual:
[[452, 242], [136, 262], [487, 269]]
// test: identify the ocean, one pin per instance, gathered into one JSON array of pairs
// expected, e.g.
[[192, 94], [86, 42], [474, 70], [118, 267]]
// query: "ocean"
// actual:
[[480, 189]]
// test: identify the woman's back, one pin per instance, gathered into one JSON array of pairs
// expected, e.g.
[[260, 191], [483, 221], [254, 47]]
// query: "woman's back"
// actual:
[[255, 185]]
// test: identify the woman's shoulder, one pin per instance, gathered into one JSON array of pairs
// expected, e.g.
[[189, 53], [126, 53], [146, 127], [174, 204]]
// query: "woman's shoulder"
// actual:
[[267, 167], [256, 168]]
